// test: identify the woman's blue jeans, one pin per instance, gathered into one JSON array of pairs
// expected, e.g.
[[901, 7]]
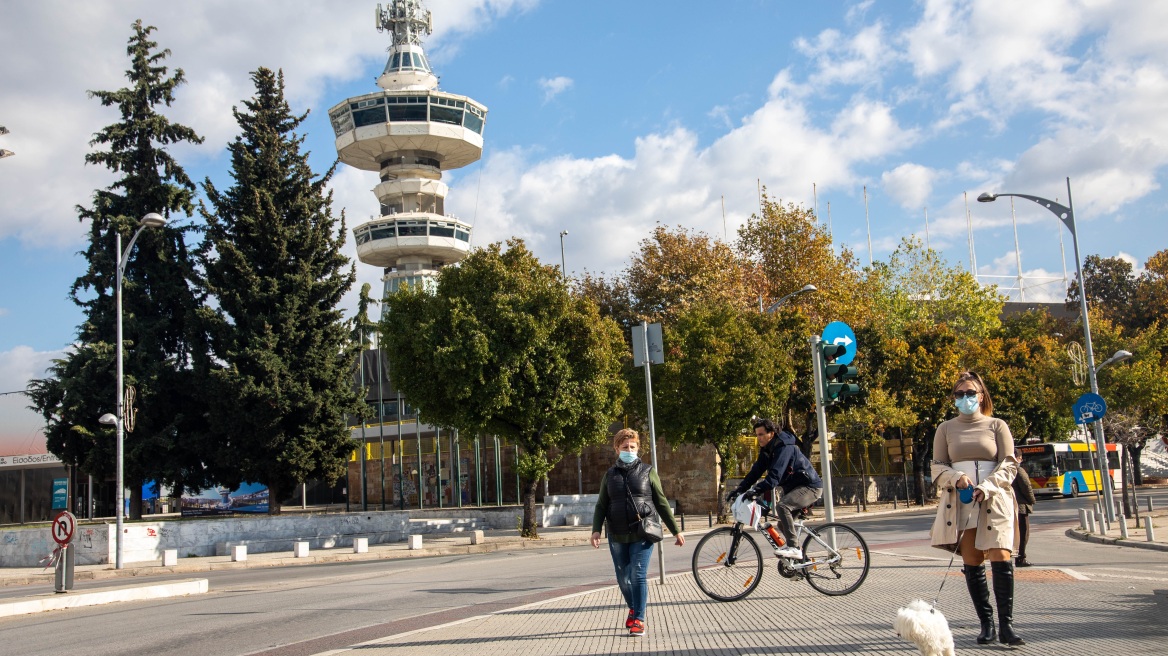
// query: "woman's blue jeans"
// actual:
[[631, 561]]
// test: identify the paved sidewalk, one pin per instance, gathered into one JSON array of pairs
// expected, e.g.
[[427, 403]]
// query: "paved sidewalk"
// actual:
[[1056, 610]]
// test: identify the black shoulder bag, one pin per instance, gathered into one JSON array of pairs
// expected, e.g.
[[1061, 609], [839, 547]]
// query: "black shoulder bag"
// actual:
[[647, 527]]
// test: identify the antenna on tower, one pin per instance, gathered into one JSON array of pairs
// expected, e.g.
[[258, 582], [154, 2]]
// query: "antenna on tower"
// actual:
[[407, 20]]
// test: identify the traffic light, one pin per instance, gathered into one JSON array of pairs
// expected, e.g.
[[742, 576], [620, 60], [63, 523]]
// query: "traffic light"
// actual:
[[837, 378]]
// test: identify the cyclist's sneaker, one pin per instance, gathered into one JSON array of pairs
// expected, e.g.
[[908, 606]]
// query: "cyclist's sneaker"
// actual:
[[637, 629], [629, 619], [793, 553]]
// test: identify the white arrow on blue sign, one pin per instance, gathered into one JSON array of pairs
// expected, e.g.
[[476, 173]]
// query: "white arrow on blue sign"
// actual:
[[838, 332]]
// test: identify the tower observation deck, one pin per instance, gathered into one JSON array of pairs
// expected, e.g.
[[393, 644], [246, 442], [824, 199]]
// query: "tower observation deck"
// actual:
[[409, 132]]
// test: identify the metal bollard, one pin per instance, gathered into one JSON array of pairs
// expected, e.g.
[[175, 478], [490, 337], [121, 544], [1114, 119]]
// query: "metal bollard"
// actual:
[[1101, 522], [1151, 533], [1149, 503], [683, 523], [1090, 521], [710, 517], [894, 502], [1122, 526], [1083, 519]]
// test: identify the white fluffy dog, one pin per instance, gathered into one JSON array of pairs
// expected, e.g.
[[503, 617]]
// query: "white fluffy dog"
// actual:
[[925, 627]]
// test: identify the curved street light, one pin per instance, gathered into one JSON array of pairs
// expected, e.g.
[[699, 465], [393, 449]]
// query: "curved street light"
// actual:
[[1066, 214], [1119, 356], [151, 220], [803, 290], [563, 264]]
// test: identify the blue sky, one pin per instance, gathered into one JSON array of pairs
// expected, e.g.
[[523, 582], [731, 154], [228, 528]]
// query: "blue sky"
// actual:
[[608, 117]]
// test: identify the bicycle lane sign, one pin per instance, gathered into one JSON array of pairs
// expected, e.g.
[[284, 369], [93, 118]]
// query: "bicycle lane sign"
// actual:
[[1089, 408]]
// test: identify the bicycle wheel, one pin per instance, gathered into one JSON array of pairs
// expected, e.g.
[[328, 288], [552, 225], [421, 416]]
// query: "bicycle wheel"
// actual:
[[727, 564], [839, 558]]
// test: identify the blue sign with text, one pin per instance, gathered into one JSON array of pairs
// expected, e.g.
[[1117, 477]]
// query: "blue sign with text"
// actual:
[[838, 332], [1090, 407], [60, 493]]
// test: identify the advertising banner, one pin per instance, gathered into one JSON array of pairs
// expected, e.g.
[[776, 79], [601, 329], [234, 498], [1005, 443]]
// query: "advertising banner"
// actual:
[[60, 493], [247, 498]]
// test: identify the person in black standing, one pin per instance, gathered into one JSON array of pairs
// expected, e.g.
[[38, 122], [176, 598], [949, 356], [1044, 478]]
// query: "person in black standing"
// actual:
[[1024, 493], [782, 466], [630, 487]]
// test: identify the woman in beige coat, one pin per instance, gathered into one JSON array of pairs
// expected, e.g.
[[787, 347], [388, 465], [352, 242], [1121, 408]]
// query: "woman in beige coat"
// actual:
[[974, 453]]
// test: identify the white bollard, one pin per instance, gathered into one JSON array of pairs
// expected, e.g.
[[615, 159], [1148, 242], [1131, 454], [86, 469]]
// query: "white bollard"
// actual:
[[1090, 522], [1083, 519], [300, 549], [169, 557], [1151, 533], [476, 537], [414, 542], [1149, 497], [239, 553], [360, 545], [1122, 526], [1101, 523]]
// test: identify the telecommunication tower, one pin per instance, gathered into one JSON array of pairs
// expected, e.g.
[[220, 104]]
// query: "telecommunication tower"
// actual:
[[409, 132]]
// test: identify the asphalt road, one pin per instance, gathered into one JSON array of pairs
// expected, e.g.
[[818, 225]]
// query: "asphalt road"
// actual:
[[309, 609]]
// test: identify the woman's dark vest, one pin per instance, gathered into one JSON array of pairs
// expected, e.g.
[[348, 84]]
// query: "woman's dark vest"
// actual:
[[621, 512]]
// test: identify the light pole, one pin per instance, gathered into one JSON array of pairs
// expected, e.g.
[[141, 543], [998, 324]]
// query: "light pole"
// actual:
[[802, 290], [1066, 214], [563, 265], [151, 220], [579, 457]]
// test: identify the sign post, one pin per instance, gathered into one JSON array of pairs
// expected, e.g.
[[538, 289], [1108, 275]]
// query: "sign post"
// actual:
[[836, 333], [648, 349], [63, 528], [1088, 409]]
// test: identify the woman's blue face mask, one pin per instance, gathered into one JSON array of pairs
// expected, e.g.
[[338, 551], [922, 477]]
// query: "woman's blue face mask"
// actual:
[[627, 456], [967, 405]]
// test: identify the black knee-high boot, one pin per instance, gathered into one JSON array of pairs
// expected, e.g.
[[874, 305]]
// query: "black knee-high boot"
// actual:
[[1004, 595], [979, 592]]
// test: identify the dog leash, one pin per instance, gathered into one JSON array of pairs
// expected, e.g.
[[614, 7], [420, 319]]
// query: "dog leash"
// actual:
[[956, 549]]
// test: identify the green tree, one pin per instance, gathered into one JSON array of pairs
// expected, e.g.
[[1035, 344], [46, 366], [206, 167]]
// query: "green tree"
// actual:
[[1111, 287], [787, 248], [502, 347], [274, 268], [158, 300], [866, 425], [1150, 304], [723, 367]]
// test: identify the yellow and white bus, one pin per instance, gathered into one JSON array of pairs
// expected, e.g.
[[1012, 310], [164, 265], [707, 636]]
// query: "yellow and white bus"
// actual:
[[1067, 468]]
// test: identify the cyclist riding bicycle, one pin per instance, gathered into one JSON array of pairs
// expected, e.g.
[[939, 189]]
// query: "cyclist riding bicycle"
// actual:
[[786, 469]]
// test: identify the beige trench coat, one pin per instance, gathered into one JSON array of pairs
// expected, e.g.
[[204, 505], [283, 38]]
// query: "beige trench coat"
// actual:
[[995, 528]]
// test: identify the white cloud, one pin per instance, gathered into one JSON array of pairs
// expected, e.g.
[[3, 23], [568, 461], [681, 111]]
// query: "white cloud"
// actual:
[[855, 60], [21, 431], [909, 184], [553, 87], [216, 42]]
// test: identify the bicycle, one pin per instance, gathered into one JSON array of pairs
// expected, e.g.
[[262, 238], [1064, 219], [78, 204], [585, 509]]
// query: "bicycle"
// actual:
[[727, 563]]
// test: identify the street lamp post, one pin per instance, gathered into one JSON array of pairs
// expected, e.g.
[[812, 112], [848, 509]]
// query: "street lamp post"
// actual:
[[563, 262], [1066, 214], [779, 303], [579, 457], [151, 220]]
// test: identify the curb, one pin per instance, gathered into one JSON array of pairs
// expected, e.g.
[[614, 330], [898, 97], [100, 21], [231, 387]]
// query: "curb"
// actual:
[[1118, 542], [54, 601]]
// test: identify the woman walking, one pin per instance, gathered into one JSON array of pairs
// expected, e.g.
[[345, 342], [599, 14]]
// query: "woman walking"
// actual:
[[973, 466], [631, 488], [1024, 494]]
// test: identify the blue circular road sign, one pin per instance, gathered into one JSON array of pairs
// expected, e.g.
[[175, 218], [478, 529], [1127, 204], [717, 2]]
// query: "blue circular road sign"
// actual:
[[1088, 408], [838, 332]]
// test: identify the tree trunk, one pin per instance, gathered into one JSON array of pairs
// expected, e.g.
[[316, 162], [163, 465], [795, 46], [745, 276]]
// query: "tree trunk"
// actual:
[[864, 474], [920, 459], [274, 493], [136, 501], [529, 529], [810, 434]]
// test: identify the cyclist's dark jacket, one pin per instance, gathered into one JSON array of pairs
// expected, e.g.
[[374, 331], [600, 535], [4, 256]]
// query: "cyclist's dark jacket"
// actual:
[[613, 505], [785, 467]]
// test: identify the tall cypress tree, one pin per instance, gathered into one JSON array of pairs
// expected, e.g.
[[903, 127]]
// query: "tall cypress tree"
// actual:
[[158, 301], [280, 345]]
